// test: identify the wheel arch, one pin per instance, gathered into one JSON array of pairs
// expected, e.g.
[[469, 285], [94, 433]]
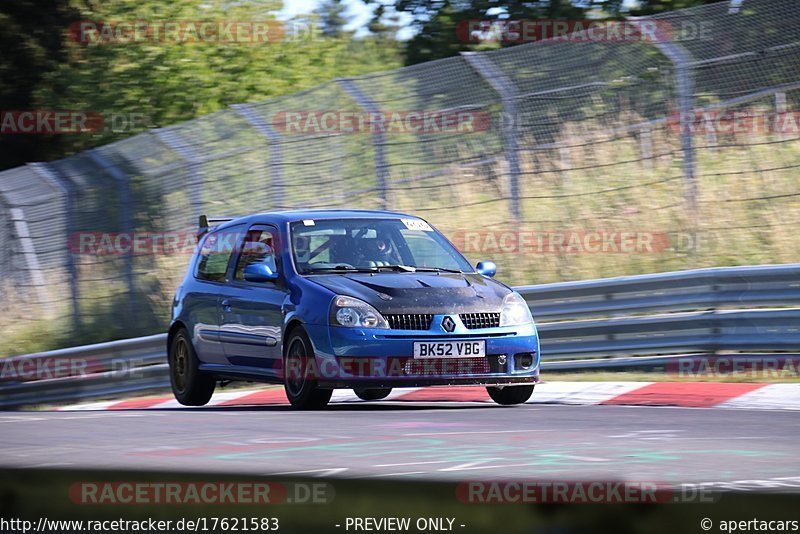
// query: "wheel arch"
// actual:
[[173, 329], [293, 323]]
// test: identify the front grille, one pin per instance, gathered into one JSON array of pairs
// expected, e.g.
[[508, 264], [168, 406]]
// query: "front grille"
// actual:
[[435, 367], [480, 320], [410, 321]]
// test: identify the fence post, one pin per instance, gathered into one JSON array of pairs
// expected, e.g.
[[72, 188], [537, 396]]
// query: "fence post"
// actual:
[[684, 86], [378, 136], [276, 190], [172, 140], [127, 217], [504, 87], [780, 110], [29, 253], [51, 173]]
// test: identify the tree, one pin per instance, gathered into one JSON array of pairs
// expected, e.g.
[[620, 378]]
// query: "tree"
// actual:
[[332, 13], [163, 81], [440, 24], [384, 25], [652, 7], [32, 44]]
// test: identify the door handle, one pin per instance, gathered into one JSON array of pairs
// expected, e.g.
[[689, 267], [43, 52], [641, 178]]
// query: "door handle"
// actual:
[[226, 305]]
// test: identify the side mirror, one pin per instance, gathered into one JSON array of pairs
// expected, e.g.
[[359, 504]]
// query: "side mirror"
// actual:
[[486, 268], [259, 272]]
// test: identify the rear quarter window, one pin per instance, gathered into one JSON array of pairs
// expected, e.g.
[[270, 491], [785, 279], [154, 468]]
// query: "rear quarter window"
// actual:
[[214, 255]]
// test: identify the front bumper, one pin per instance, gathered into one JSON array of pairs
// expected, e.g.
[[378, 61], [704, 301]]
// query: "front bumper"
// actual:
[[359, 357]]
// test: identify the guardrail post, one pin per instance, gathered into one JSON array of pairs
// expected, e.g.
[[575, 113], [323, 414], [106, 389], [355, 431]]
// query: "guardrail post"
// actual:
[[29, 253], [51, 173], [276, 191], [378, 136], [504, 87], [172, 140], [684, 87], [127, 219]]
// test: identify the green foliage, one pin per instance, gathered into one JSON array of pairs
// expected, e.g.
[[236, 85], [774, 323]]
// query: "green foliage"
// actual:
[[165, 82], [438, 21]]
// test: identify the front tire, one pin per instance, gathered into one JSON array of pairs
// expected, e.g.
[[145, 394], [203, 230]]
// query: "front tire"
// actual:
[[190, 386], [510, 395], [299, 382], [372, 394]]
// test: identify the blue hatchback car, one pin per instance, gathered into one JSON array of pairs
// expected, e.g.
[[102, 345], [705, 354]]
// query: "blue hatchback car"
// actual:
[[368, 300]]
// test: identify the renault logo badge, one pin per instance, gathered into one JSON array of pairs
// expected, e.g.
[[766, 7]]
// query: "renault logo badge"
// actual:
[[448, 324]]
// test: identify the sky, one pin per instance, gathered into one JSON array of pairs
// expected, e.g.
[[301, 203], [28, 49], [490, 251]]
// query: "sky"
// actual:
[[357, 12]]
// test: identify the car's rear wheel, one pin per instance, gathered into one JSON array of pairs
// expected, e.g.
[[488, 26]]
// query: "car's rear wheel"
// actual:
[[510, 395], [372, 394], [190, 386], [299, 374]]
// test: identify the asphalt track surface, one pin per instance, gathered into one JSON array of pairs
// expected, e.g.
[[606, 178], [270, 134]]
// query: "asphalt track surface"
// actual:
[[431, 441]]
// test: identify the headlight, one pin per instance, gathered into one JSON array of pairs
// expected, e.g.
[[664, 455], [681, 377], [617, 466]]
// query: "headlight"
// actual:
[[352, 312], [515, 311]]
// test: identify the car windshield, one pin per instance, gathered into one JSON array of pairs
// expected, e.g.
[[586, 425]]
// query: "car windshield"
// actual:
[[372, 245]]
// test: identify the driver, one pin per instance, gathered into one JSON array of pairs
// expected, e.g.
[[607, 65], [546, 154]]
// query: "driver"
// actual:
[[377, 251]]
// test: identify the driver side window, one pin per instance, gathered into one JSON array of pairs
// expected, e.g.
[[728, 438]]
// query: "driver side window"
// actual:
[[258, 247]]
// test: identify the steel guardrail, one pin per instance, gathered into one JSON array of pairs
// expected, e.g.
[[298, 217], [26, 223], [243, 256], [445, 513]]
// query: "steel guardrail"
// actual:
[[614, 323]]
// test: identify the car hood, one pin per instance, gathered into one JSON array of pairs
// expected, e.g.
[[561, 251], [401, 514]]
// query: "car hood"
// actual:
[[444, 293]]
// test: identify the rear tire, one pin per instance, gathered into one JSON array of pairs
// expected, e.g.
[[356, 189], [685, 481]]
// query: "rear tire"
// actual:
[[372, 394], [190, 386], [301, 388], [510, 395]]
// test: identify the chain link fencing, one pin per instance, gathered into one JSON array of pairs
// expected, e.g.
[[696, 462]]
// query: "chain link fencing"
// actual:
[[560, 159]]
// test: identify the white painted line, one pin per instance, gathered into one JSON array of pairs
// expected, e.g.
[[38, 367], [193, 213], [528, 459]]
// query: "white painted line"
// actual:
[[415, 463], [225, 396], [771, 397], [396, 474], [322, 472], [582, 392], [90, 407]]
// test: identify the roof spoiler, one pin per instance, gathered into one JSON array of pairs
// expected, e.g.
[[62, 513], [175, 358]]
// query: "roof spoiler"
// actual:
[[205, 223]]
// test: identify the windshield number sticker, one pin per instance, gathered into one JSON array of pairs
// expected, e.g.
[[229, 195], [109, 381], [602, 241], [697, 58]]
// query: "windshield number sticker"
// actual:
[[417, 224]]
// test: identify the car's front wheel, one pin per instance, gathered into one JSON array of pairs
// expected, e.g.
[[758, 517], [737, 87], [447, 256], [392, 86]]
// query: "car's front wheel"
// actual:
[[190, 386], [299, 374], [372, 394], [510, 395]]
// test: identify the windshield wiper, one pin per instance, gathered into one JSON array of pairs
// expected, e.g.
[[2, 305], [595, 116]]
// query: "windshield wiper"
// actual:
[[342, 269], [411, 269], [438, 270], [379, 268]]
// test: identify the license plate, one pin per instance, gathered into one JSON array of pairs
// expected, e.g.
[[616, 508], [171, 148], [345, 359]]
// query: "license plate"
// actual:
[[450, 349]]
